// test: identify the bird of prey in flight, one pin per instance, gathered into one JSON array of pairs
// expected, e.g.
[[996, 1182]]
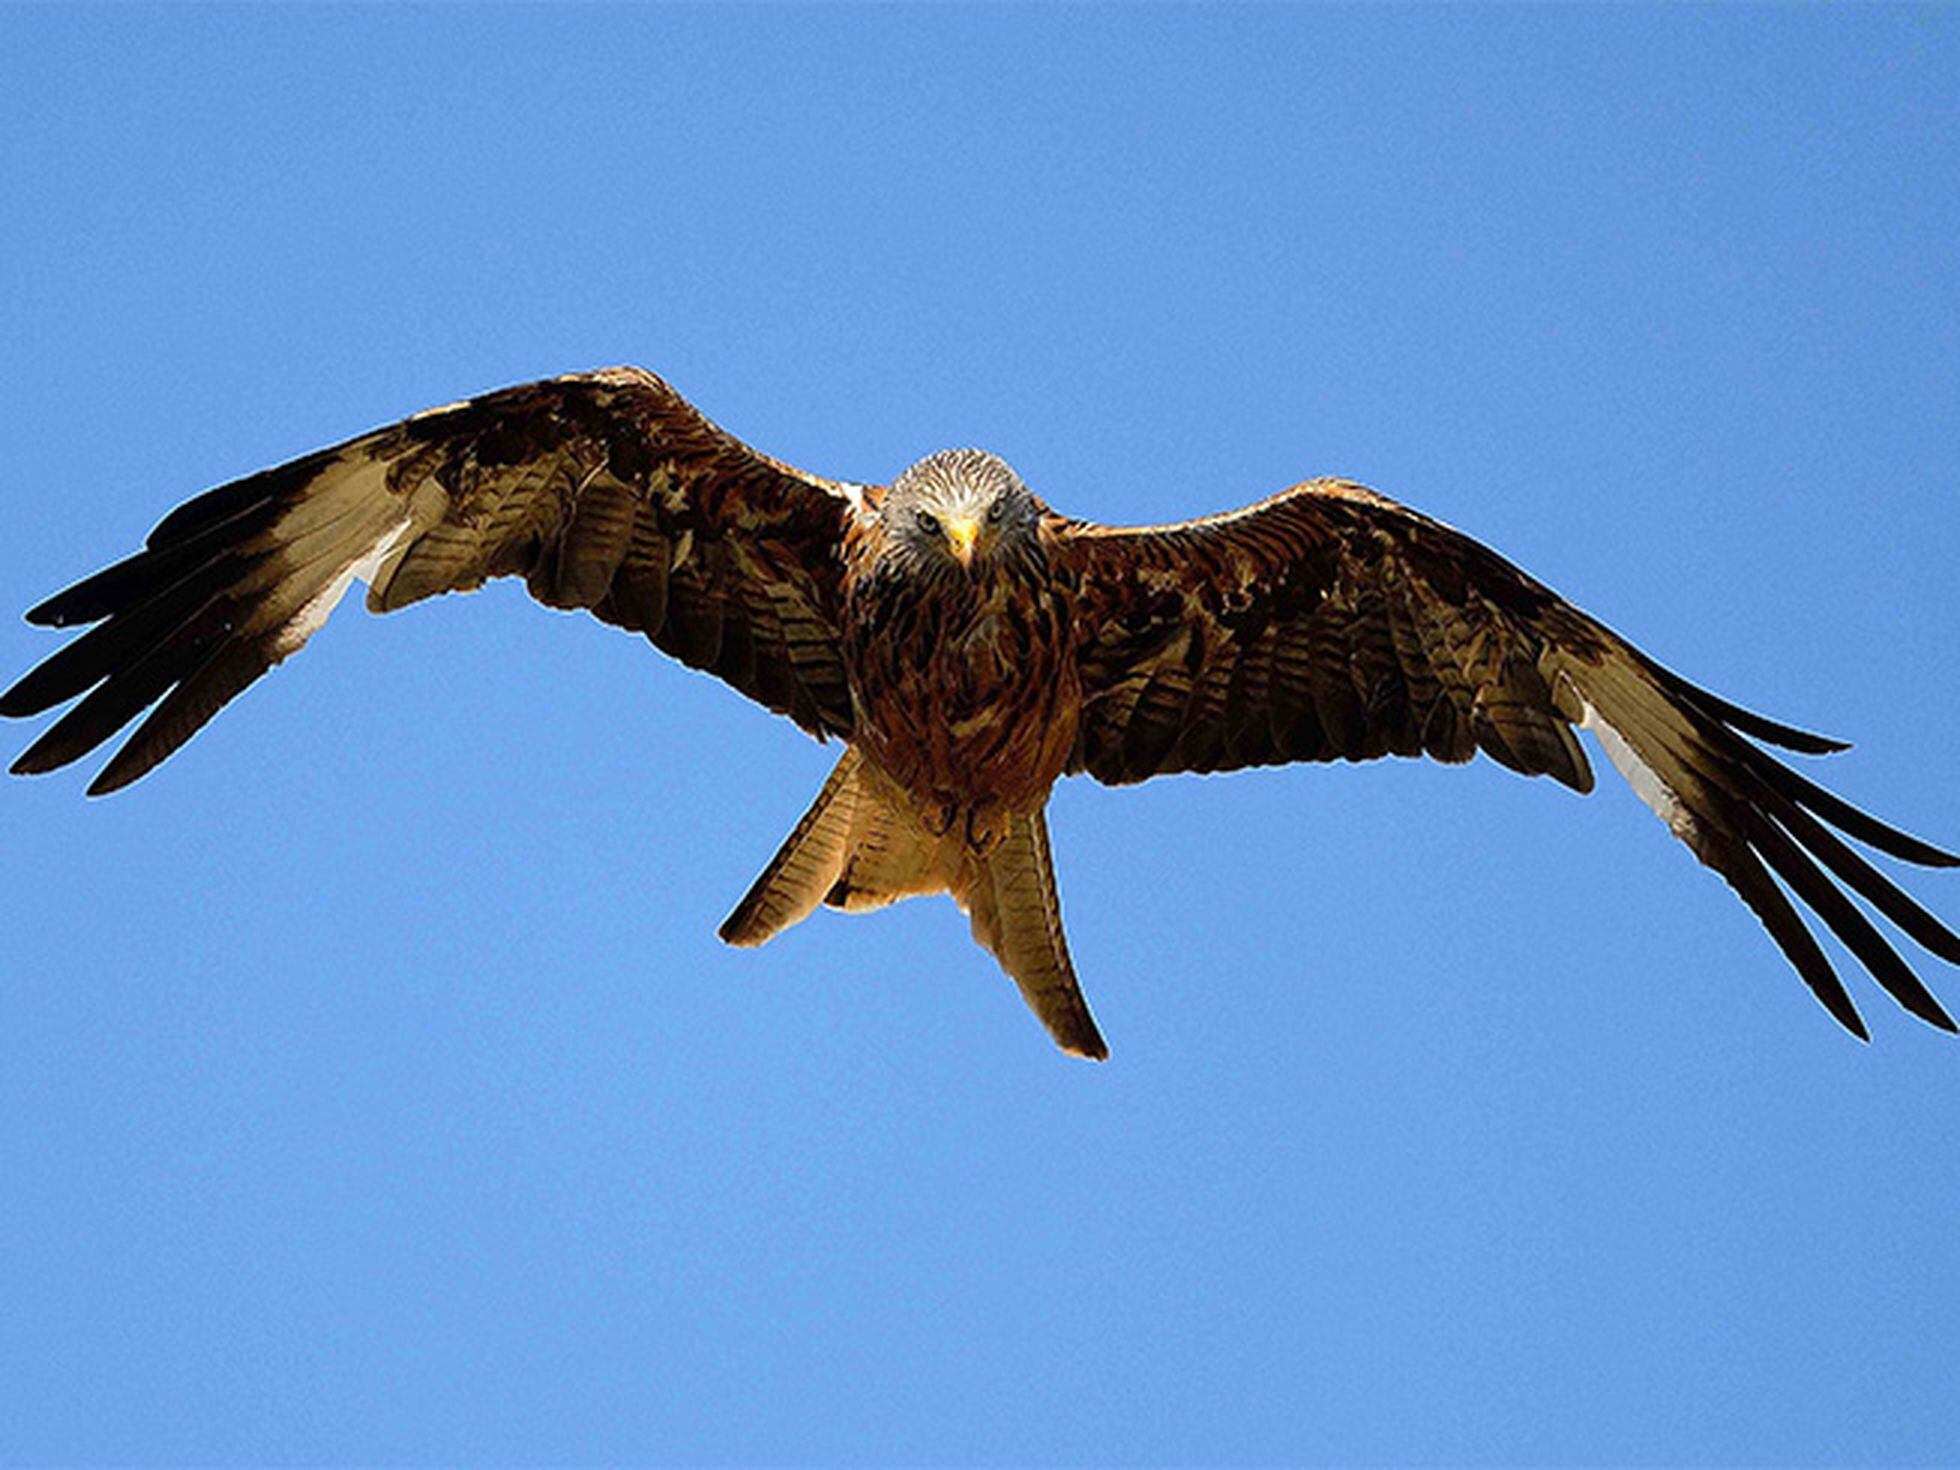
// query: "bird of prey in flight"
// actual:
[[968, 646]]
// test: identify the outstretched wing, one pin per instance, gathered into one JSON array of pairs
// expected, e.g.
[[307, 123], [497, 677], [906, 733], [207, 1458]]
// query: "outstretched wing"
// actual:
[[605, 490], [1331, 623]]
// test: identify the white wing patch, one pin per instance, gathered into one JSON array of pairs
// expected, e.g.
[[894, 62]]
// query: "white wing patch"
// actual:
[[1642, 777], [342, 532], [318, 608]]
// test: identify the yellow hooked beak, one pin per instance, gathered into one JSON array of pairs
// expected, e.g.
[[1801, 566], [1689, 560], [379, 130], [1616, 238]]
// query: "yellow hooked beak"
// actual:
[[961, 535]]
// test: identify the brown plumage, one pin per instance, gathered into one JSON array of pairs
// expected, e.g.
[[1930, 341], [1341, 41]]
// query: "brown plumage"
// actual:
[[970, 646]]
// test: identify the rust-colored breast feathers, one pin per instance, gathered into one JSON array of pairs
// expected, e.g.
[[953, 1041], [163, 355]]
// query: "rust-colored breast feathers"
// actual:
[[965, 687]]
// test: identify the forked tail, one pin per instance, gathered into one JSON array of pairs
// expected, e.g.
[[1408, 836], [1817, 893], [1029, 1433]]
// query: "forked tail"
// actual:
[[858, 849]]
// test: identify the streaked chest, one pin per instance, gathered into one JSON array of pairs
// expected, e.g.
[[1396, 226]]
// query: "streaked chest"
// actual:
[[965, 690]]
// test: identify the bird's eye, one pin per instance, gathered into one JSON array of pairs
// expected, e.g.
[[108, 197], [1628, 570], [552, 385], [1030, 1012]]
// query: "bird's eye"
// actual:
[[995, 511], [927, 521]]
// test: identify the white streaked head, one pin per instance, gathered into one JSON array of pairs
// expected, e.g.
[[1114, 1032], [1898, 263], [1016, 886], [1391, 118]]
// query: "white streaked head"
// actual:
[[960, 506]]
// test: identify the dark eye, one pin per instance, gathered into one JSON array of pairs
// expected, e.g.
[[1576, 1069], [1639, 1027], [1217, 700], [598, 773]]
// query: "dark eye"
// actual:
[[995, 512], [927, 521]]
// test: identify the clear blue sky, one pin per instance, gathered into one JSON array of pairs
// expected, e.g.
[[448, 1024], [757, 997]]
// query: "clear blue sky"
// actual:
[[372, 1086]]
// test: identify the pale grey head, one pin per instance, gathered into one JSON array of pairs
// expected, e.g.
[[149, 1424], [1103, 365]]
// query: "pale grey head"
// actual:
[[960, 508]]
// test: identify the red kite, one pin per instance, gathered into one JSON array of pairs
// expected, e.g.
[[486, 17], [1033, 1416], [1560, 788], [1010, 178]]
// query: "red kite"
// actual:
[[969, 646]]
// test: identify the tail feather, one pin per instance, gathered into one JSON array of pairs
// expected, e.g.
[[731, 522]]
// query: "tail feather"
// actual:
[[1010, 897], [857, 848], [805, 866], [890, 856]]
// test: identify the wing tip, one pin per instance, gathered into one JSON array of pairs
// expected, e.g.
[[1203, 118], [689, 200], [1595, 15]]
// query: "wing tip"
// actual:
[[49, 753], [1939, 1020], [1830, 992], [49, 613], [1785, 737], [1760, 727], [109, 780]]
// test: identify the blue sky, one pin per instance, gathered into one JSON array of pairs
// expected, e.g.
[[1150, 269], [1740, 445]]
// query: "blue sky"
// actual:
[[374, 1087]]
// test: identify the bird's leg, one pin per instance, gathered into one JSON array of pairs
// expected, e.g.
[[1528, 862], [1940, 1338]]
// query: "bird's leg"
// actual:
[[986, 826]]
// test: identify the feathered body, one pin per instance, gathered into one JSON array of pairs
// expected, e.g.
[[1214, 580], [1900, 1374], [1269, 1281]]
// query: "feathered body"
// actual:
[[970, 647], [955, 634], [963, 678]]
